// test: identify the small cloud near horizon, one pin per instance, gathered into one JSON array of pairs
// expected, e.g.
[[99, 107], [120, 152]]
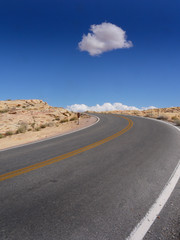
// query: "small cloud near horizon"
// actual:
[[104, 107], [104, 37]]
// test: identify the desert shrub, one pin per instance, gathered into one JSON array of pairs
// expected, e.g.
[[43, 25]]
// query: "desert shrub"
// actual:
[[4, 111], [43, 126], [8, 100], [64, 120], [177, 122], [37, 128], [174, 118], [162, 117], [57, 118], [1, 135], [22, 128], [32, 125], [9, 133], [50, 124], [73, 118]]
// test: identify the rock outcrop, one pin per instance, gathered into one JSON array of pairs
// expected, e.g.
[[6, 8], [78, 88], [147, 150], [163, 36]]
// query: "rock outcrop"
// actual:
[[17, 116]]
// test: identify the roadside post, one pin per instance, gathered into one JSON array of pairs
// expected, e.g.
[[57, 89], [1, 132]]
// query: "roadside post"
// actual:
[[78, 116]]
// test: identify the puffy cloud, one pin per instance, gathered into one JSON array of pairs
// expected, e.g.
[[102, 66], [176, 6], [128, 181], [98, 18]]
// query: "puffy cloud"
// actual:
[[104, 37], [78, 108], [104, 107]]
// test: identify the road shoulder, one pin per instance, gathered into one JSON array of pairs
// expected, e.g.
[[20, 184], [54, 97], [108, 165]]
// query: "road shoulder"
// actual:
[[47, 133]]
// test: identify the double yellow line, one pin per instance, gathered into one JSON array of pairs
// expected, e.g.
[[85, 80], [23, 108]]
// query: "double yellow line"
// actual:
[[66, 155]]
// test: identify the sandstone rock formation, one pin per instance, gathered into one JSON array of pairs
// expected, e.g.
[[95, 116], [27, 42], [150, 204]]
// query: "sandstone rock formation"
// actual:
[[19, 116]]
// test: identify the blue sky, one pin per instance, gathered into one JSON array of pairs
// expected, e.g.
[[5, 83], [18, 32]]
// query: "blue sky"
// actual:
[[40, 58]]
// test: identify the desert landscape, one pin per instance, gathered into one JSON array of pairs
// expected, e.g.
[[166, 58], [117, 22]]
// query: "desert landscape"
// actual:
[[89, 120], [24, 121], [171, 114]]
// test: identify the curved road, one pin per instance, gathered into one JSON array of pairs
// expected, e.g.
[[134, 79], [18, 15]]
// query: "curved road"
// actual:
[[95, 193]]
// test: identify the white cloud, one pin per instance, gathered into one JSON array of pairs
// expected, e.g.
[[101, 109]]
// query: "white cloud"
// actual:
[[104, 107], [104, 37]]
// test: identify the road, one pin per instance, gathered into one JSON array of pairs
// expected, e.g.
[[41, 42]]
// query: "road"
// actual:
[[99, 192]]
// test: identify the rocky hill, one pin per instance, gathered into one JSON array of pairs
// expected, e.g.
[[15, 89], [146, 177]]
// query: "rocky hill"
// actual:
[[19, 116]]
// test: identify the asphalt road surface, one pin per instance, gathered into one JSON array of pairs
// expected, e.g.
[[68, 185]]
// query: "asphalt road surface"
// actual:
[[99, 192]]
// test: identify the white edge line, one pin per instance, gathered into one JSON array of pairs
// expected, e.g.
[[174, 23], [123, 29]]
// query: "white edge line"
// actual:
[[160, 121], [144, 225], [57, 136]]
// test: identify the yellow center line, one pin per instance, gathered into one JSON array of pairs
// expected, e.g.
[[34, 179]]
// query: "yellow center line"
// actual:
[[66, 155]]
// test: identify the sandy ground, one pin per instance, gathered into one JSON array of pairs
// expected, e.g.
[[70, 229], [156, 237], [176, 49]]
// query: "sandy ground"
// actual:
[[27, 137]]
